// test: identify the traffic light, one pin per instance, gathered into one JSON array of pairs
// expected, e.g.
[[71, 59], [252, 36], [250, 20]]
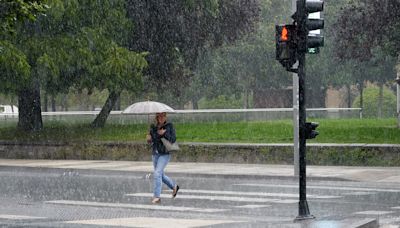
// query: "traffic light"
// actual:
[[286, 45], [397, 80], [314, 22], [310, 130]]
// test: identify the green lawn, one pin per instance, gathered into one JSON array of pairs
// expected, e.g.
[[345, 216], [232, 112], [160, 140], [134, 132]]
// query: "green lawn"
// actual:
[[331, 131]]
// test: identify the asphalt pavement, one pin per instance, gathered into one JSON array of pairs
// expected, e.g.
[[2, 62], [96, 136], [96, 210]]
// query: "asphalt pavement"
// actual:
[[354, 173], [87, 193]]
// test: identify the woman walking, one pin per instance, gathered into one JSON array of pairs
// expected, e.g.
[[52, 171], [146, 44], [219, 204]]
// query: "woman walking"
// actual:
[[161, 157]]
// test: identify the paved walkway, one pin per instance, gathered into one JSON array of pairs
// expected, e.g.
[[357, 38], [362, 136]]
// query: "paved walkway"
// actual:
[[373, 174]]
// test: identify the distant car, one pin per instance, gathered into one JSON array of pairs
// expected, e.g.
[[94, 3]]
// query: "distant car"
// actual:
[[8, 109]]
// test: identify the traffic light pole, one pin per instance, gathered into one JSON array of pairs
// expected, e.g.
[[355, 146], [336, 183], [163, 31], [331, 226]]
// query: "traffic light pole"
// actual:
[[292, 43], [304, 212], [295, 113]]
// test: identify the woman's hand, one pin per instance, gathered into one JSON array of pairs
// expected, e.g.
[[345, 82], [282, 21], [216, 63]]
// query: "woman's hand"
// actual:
[[161, 131], [148, 138]]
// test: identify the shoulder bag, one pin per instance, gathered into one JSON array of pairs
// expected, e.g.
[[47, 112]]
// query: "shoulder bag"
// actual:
[[170, 147]]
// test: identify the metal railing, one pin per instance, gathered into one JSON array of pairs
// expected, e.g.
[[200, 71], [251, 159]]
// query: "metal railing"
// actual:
[[201, 115]]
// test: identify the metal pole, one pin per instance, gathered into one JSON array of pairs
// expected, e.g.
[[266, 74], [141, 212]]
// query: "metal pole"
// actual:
[[304, 212], [295, 113], [398, 91], [296, 123], [398, 98]]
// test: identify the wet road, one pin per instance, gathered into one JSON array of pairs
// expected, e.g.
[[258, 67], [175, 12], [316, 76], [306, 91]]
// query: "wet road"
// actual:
[[35, 197]]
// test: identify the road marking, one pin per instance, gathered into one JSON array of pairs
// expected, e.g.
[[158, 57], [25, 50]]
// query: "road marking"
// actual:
[[252, 206], [134, 206], [268, 194], [322, 187], [358, 193], [219, 198], [153, 222], [19, 217], [373, 212]]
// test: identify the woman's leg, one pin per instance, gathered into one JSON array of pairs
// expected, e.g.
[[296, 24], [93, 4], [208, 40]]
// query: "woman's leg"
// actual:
[[164, 159], [159, 163], [157, 181]]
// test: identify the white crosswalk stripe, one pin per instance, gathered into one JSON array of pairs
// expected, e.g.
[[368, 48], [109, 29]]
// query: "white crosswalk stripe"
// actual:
[[323, 187], [18, 217], [373, 212], [259, 194], [153, 222], [220, 198], [134, 206], [251, 206]]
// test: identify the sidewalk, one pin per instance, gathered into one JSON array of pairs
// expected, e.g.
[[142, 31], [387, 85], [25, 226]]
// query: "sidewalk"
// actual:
[[369, 174]]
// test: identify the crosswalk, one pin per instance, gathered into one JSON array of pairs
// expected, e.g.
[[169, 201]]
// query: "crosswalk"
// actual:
[[153, 222], [215, 207], [133, 206]]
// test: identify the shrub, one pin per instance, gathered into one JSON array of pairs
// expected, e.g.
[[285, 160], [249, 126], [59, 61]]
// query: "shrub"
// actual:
[[371, 96]]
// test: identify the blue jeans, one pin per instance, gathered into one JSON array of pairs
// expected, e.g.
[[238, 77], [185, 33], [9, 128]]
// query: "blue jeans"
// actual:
[[160, 161]]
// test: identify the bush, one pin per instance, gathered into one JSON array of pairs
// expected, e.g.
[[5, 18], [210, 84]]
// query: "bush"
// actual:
[[371, 96]]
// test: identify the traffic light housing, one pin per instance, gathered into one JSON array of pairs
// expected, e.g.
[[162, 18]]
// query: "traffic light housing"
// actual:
[[300, 37], [286, 45], [313, 40], [311, 130]]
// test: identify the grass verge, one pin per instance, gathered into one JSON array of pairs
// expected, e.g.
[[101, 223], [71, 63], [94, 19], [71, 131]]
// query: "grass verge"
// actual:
[[331, 131]]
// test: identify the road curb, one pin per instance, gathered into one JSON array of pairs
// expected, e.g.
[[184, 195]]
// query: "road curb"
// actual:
[[147, 174]]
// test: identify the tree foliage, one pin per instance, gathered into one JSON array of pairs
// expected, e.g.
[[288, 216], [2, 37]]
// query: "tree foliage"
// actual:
[[371, 102], [363, 25], [13, 12], [14, 68], [80, 43], [175, 33], [246, 66]]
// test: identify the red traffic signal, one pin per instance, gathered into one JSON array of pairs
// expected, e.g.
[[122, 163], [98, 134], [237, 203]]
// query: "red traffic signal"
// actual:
[[284, 34], [286, 45]]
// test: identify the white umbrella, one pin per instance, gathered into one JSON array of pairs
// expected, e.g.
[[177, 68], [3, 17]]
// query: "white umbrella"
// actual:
[[147, 107]]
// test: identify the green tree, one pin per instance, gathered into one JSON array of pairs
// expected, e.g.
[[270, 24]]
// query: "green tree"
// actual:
[[375, 45], [70, 46], [248, 66], [13, 12], [380, 22], [14, 68], [122, 69], [176, 32], [372, 100]]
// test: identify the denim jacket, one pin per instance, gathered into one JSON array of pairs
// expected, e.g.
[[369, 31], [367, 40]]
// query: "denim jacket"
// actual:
[[157, 145]]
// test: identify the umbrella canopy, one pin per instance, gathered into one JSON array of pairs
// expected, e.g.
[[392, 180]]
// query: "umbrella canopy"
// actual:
[[147, 107]]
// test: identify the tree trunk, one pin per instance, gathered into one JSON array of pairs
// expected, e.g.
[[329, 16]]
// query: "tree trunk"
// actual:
[[64, 102], [348, 95], [101, 118], [118, 104], [246, 99], [30, 113], [45, 102], [380, 100], [398, 90], [361, 89], [12, 103], [53, 103], [195, 103]]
